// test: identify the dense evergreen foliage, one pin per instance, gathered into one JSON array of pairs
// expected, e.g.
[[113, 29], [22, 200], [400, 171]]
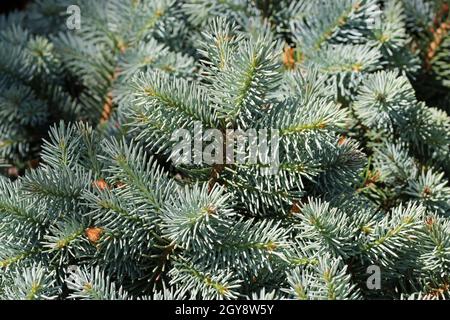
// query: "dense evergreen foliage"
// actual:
[[93, 204]]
